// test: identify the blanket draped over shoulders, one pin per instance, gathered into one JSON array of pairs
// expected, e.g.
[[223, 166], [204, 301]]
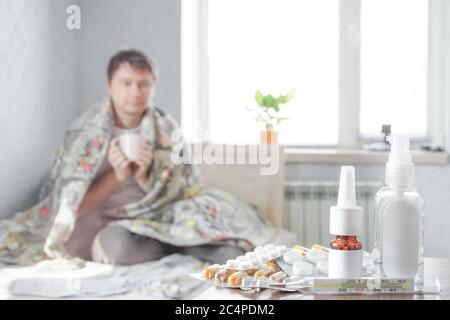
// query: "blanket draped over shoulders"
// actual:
[[177, 208]]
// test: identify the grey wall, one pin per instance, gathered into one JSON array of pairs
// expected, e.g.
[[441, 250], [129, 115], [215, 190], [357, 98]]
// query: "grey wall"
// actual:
[[37, 94], [432, 181], [151, 26], [50, 74]]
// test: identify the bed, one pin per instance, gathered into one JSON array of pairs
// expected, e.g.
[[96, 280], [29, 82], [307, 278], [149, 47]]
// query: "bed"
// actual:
[[167, 278]]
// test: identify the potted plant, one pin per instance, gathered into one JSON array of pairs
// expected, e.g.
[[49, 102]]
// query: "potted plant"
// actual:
[[267, 113]]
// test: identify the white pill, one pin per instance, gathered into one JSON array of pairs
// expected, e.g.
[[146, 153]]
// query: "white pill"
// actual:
[[244, 265], [282, 251], [272, 254], [259, 250], [251, 255], [269, 247], [241, 258], [281, 248], [263, 257], [248, 282], [302, 268], [292, 256], [254, 263], [262, 282], [322, 266], [315, 256], [231, 263]]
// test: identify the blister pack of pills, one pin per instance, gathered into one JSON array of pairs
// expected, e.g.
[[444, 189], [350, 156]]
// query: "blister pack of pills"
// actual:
[[272, 266]]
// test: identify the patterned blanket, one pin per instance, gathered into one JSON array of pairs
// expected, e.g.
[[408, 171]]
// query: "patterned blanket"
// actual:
[[177, 208]]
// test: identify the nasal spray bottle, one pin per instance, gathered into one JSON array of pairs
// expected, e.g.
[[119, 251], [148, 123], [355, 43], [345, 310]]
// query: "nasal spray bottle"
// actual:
[[346, 222], [399, 215]]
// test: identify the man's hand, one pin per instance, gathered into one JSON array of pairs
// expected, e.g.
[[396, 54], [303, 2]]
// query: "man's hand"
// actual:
[[141, 166], [118, 161]]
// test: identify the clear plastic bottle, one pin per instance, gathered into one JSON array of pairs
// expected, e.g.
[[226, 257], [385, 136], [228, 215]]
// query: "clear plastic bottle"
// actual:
[[399, 220]]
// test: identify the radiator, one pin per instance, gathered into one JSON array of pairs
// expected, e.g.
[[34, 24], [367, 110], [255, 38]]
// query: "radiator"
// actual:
[[307, 210]]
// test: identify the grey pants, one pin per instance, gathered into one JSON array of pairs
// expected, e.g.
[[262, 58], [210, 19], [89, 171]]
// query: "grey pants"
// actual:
[[117, 245]]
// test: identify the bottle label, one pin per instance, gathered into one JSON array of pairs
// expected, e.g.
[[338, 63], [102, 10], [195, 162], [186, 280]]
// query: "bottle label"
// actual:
[[345, 263], [400, 252]]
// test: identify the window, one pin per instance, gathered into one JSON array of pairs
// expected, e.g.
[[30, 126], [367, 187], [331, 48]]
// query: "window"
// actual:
[[275, 51], [394, 62], [355, 64]]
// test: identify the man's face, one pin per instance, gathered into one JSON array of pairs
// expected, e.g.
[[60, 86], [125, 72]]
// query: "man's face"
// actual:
[[131, 89]]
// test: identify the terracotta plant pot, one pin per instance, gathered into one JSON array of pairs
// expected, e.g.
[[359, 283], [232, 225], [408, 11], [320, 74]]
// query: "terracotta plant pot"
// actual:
[[269, 137]]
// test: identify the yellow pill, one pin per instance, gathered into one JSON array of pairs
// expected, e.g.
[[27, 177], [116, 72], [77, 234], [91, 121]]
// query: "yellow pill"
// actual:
[[318, 247], [300, 249]]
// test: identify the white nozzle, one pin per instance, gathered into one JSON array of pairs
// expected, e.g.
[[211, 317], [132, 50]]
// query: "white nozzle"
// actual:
[[347, 195], [399, 168], [399, 150], [346, 218]]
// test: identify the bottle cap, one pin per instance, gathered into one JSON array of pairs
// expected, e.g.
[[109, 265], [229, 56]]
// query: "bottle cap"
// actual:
[[399, 168]]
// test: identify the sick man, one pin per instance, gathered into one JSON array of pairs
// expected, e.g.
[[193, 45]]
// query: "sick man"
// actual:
[[99, 205]]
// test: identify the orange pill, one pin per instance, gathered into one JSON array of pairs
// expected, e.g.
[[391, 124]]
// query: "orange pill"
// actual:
[[236, 278], [263, 273], [272, 265], [222, 275], [211, 271]]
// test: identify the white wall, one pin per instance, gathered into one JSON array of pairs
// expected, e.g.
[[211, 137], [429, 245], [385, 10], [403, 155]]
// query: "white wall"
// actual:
[[37, 94]]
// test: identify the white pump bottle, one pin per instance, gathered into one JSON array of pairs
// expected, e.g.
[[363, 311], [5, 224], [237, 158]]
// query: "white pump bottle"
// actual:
[[399, 218]]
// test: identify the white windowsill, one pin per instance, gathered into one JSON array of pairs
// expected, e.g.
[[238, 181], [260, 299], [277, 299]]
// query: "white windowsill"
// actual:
[[342, 156]]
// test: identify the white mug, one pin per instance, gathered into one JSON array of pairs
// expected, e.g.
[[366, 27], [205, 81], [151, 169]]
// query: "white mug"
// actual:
[[129, 143]]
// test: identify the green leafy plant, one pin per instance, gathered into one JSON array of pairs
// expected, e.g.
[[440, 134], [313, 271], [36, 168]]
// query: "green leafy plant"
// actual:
[[269, 107]]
